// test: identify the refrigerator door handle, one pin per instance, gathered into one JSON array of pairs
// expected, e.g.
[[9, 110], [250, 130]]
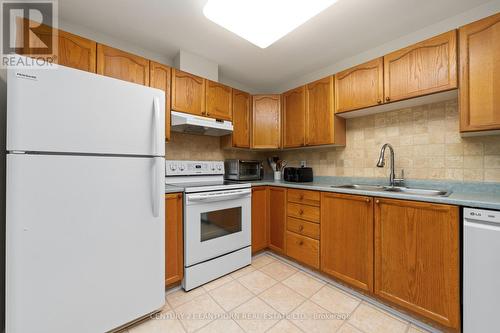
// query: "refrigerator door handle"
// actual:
[[157, 141], [158, 190]]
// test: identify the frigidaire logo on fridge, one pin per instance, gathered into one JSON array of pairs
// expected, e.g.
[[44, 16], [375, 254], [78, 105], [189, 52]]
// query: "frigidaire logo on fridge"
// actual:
[[29, 29]]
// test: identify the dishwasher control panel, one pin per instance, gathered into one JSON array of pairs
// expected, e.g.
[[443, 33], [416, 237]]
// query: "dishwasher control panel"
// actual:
[[482, 215]]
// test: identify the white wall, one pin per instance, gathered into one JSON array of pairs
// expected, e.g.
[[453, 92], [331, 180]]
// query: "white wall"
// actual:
[[114, 42], [197, 65], [451, 23]]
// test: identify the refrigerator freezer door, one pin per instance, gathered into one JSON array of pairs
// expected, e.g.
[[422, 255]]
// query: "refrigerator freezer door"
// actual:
[[85, 252], [68, 110]]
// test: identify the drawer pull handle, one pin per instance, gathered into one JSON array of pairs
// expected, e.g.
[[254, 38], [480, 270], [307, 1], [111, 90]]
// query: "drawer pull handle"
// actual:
[[301, 227]]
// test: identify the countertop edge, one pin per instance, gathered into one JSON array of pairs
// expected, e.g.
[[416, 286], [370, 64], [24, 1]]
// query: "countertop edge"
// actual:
[[450, 200]]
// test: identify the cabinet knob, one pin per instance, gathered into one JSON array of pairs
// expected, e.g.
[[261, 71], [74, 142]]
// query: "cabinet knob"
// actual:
[[301, 197], [387, 98], [301, 242], [368, 200], [301, 212], [207, 113], [301, 227], [379, 101], [179, 196], [377, 201]]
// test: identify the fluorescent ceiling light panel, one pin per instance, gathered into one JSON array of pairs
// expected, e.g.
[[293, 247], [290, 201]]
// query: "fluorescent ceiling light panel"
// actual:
[[263, 22]]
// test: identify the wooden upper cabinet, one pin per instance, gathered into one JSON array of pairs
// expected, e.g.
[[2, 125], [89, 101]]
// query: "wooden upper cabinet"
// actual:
[[160, 78], [479, 75], [322, 126], [277, 218], [188, 93], [219, 99], [122, 65], [347, 238], [72, 50], [423, 68], [76, 52], [417, 258], [294, 116], [266, 122], [260, 218], [360, 87], [174, 244], [241, 119]]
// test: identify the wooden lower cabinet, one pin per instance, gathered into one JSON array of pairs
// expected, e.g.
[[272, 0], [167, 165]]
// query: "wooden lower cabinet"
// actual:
[[277, 218], [260, 211], [417, 258], [347, 238], [174, 243], [303, 249]]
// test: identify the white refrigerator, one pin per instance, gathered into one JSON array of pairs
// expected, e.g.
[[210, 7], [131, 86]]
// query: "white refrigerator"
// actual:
[[85, 201]]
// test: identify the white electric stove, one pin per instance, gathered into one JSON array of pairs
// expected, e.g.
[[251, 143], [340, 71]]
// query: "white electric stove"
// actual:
[[217, 220]]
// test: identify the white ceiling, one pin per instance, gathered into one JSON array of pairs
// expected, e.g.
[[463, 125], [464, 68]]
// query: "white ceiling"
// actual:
[[343, 30]]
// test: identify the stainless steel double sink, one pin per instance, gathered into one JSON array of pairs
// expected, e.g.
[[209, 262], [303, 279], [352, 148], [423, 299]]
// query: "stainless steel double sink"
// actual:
[[397, 189]]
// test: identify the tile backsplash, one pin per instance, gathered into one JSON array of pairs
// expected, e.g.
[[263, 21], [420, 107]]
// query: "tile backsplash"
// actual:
[[426, 141], [204, 148]]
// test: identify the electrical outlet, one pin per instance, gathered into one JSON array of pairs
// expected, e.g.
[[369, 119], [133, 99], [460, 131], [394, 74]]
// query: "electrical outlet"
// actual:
[[303, 164]]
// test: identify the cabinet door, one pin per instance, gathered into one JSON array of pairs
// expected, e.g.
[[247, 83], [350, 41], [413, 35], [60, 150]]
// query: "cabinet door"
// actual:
[[424, 68], [266, 122], [360, 87], [76, 52], [479, 73], [122, 65], [347, 238], [160, 78], [294, 109], [188, 93], [174, 244], [73, 51], [218, 101], [417, 258], [277, 218], [241, 119], [260, 209], [322, 126]]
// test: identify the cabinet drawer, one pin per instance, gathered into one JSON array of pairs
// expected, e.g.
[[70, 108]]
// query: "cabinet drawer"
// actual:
[[303, 212], [302, 227], [305, 197], [303, 249]]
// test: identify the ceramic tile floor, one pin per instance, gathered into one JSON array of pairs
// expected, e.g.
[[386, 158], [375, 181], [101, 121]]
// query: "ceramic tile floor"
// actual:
[[270, 296]]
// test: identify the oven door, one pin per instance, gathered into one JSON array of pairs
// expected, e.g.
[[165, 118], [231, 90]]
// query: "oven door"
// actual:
[[216, 223]]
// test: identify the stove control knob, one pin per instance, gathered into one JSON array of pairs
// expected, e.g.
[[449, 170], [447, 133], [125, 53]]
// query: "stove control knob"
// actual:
[[173, 167], [219, 167], [213, 167], [182, 167]]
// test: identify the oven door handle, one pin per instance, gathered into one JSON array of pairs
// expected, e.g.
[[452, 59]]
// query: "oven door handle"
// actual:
[[218, 197]]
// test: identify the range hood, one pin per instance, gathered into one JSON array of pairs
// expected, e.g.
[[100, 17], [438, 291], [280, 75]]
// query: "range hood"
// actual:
[[191, 124]]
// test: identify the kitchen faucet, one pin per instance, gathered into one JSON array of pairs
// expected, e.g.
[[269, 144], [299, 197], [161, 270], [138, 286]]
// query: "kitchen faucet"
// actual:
[[381, 163]]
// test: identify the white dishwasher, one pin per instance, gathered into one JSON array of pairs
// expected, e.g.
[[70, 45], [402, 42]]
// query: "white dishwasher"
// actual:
[[481, 271]]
